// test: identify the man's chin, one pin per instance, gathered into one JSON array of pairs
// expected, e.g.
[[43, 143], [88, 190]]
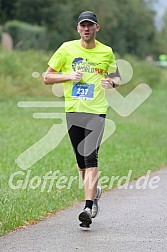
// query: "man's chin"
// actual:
[[86, 39]]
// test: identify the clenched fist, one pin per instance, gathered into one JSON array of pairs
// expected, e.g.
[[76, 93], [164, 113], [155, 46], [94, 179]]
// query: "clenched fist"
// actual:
[[76, 76], [107, 82]]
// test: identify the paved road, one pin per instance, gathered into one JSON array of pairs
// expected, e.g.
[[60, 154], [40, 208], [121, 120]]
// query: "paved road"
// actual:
[[130, 220]]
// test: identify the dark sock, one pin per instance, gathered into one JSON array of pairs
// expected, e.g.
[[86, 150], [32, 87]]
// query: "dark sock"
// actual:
[[89, 204]]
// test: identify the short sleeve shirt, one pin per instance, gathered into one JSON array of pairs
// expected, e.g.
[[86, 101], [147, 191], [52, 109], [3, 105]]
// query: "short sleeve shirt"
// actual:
[[87, 95]]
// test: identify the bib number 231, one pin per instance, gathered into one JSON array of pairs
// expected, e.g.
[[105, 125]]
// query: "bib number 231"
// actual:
[[83, 91]]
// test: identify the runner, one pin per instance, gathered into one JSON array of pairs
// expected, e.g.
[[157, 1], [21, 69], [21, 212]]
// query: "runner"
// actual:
[[84, 65]]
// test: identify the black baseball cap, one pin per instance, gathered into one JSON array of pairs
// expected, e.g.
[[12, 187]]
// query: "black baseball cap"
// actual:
[[87, 16]]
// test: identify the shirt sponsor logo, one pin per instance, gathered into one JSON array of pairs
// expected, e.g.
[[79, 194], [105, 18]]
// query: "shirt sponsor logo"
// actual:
[[86, 66]]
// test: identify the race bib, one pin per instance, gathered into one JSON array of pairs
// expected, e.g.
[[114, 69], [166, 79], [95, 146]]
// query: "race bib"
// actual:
[[83, 91]]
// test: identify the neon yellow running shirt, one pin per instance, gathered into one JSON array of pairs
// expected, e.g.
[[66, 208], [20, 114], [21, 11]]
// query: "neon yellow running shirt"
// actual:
[[87, 95]]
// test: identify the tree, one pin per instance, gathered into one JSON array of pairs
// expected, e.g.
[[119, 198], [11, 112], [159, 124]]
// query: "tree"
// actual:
[[126, 25], [7, 10]]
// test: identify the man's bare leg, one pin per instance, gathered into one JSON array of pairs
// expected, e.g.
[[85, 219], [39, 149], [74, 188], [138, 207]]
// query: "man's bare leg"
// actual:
[[90, 179]]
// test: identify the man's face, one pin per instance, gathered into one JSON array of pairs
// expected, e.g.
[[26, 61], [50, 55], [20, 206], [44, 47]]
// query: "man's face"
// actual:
[[87, 30]]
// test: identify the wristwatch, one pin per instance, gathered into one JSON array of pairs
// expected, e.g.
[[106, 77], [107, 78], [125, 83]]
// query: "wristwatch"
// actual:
[[113, 84]]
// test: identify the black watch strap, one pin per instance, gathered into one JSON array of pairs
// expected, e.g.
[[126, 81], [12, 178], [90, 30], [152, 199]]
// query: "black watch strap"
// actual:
[[113, 84]]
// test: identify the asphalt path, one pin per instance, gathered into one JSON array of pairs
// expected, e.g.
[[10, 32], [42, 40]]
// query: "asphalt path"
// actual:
[[129, 220]]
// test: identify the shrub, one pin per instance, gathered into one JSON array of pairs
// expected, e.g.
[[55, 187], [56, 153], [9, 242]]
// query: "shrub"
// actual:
[[26, 36]]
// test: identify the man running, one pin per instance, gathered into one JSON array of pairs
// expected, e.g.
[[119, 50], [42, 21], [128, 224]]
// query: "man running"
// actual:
[[84, 66]]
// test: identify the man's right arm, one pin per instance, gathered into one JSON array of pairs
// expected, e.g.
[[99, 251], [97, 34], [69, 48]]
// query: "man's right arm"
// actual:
[[53, 77]]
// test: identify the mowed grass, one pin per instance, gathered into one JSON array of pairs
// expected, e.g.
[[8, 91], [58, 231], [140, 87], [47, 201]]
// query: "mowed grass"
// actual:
[[138, 144]]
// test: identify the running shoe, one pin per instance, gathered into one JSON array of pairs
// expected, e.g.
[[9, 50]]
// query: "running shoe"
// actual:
[[95, 207], [85, 217]]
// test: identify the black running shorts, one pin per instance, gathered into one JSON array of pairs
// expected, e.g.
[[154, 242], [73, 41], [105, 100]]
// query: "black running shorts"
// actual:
[[85, 132]]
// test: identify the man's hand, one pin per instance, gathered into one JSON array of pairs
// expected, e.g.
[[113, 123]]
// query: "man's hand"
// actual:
[[110, 82], [76, 76], [107, 82], [52, 77]]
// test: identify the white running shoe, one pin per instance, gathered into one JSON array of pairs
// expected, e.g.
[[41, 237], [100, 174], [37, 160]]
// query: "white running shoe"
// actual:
[[95, 207], [85, 217]]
